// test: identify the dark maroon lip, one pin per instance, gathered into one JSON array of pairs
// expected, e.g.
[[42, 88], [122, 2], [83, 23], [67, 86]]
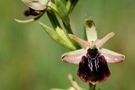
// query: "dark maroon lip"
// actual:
[[93, 67]]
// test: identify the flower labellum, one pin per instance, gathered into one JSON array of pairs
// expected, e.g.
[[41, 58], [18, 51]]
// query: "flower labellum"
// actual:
[[92, 58], [93, 67]]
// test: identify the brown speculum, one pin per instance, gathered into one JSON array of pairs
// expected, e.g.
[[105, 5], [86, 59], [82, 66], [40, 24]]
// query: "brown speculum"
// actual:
[[93, 67]]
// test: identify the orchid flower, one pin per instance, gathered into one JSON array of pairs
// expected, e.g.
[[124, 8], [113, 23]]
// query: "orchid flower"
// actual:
[[36, 8], [92, 58], [39, 7]]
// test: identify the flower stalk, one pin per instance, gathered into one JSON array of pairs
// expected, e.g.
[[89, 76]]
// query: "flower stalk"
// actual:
[[92, 86]]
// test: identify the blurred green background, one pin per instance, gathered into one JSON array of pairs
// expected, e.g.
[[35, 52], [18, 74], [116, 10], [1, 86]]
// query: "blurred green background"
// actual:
[[30, 60]]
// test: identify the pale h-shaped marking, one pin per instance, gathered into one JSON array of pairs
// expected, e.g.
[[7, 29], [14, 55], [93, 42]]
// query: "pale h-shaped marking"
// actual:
[[95, 59]]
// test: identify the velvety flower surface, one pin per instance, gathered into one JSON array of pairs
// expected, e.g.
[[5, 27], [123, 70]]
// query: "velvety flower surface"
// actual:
[[93, 67], [92, 58]]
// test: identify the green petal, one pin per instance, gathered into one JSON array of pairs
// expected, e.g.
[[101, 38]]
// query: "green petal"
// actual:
[[57, 36], [90, 28]]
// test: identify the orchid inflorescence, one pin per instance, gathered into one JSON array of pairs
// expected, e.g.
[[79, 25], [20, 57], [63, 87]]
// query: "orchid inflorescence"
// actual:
[[89, 54]]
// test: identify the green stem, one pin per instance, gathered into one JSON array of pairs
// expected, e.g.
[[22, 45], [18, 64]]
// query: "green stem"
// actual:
[[68, 28], [53, 19], [92, 87]]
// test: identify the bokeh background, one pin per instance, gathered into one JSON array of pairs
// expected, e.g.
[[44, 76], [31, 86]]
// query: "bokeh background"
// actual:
[[31, 60]]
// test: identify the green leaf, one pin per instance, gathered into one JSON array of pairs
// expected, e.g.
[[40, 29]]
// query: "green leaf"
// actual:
[[57, 36], [63, 35]]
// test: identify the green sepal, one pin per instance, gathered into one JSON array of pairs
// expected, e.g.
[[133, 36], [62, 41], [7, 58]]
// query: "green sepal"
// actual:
[[90, 29], [63, 35], [59, 36]]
